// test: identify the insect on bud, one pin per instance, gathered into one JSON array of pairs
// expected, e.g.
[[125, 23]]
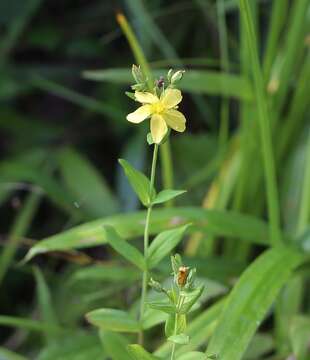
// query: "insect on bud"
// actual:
[[182, 275]]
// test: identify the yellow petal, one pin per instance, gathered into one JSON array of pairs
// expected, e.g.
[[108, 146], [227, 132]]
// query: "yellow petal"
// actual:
[[175, 119], [140, 114], [146, 97], [158, 128], [171, 98]]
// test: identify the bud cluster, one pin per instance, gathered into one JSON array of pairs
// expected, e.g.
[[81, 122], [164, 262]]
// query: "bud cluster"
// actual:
[[160, 84]]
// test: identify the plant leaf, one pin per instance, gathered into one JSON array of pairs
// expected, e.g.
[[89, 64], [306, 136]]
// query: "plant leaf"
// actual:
[[250, 300], [114, 320], [166, 195], [190, 299], [115, 345], [213, 222], [162, 245], [86, 184], [195, 81], [162, 306], [139, 182], [128, 251], [181, 339], [138, 353]]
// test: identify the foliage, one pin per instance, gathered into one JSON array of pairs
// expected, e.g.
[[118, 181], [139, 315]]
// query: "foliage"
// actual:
[[82, 234]]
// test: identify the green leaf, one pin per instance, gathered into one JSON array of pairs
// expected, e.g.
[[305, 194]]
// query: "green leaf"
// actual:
[[199, 331], [114, 320], [181, 339], [250, 300], [193, 355], [166, 195], [75, 345], [86, 184], [213, 222], [106, 272], [6, 354], [300, 334], [128, 251], [45, 304], [139, 182], [162, 306], [138, 353], [163, 244], [115, 345], [28, 324], [191, 298], [169, 325], [195, 81]]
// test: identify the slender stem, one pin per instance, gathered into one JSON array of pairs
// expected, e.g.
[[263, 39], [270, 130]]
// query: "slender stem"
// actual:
[[165, 153], [178, 306], [146, 241], [224, 124]]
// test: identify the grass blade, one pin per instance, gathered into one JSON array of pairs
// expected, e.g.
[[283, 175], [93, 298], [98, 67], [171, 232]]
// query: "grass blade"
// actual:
[[265, 128]]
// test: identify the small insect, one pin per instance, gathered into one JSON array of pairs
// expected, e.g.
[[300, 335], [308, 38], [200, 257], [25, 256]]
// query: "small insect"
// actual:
[[160, 82], [182, 275]]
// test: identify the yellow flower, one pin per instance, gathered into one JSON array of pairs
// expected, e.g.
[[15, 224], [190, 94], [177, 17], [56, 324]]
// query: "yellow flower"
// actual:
[[162, 111]]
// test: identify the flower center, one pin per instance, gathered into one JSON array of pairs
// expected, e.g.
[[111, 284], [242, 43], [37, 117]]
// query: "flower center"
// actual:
[[157, 108]]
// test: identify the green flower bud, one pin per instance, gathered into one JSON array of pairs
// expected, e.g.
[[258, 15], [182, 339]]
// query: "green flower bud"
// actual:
[[137, 74], [177, 76]]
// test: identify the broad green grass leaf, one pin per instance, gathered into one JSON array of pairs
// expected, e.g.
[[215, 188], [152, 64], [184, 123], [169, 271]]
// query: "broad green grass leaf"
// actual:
[[110, 272], [15, 171], [260, 345], [28, 324], [17, 231], [300, 335], [138, 353], [215, 222], [74, 97], [250, 300], [45, 303], [115, 345], [86, 184], [166, 195], [75, 346], [139, 182], [6, 354], [163, 244], [195, 81], [128, 251], [114, 320]]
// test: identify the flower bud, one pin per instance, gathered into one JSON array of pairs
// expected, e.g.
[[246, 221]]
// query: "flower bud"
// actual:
[[177, 76], [169, 75], [137, 74]]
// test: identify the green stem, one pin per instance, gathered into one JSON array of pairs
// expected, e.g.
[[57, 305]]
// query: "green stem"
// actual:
[[165, 153], [18, 230], [224, 122], [178, 306], [264, 125], [146, 241]]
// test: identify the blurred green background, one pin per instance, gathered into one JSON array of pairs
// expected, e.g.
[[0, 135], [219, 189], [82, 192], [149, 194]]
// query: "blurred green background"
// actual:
[[64, 69]]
